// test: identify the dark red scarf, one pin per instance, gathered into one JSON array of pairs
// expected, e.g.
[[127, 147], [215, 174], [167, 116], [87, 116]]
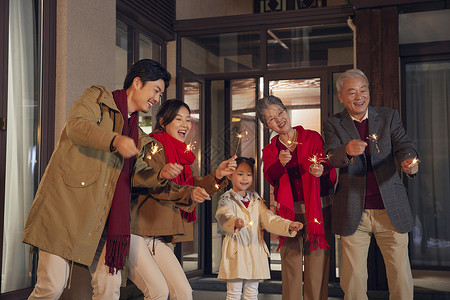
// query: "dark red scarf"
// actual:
[[309, 143], [118, 235], [176, 153]]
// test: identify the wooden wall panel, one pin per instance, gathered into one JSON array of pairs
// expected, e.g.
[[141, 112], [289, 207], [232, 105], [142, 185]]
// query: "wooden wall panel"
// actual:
[[377, 53], [390, 55]]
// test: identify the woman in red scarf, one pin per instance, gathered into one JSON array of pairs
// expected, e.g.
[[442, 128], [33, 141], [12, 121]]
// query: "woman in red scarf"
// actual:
[[295, 166], [162, 216]]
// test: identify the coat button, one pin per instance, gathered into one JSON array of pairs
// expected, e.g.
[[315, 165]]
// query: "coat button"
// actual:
[[83, 183]]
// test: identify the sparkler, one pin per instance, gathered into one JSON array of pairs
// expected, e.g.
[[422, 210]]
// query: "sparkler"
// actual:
[[374, 139], [239, 136], [318, 158], [153, 150], [190, 147], [315, 221], [415, 161]]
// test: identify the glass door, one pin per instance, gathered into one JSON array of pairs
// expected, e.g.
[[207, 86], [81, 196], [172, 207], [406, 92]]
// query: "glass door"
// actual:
[[427, 115], [189, 252], [234, 131], [302, 98], [20, 138]]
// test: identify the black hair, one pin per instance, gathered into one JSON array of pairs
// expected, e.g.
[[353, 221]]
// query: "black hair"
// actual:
[[168, 112], [147, 70], [248, 160]]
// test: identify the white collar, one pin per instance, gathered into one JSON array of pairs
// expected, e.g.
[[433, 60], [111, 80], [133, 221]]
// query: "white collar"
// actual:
[[366, 116], [239, 197]]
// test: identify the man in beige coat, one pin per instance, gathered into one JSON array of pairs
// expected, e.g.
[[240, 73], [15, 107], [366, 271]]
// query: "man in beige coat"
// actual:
[[72, 215]]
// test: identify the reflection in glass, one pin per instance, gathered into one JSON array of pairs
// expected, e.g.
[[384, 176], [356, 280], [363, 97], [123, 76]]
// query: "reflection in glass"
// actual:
[[121, 52], [302, 100], [221, 53], [308, 46], [148, 48], [217, 156], [337, 105], [428, 124], [243, 122], [192, 98], [22, 149], [190, 249]]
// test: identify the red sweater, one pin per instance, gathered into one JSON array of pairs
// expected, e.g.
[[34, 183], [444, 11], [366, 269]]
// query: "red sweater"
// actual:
[[373, 196]]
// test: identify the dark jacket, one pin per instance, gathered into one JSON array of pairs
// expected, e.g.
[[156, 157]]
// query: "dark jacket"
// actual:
[[393, 144]]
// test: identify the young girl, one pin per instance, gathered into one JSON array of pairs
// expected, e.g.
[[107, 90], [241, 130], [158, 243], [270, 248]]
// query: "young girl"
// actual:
[[240, 215]]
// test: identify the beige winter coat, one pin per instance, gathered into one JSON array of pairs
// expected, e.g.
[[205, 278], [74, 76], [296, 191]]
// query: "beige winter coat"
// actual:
[[156, 212], [244, 252], [74, 197]]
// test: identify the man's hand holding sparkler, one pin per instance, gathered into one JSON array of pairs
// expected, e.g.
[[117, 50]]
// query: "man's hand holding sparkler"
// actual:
[[355, 147], [125, 146], [410, 165]]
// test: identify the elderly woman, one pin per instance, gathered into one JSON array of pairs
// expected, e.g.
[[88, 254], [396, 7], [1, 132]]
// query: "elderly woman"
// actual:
[[295, 166], [160, 216]]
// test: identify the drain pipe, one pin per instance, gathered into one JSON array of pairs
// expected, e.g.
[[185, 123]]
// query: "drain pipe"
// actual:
[[352, 26]]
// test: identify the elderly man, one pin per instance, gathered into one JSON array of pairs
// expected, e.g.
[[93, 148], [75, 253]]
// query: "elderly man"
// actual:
[[363, 142]]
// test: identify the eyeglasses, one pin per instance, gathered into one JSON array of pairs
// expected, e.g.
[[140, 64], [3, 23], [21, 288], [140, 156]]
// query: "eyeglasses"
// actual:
[[281, 114]]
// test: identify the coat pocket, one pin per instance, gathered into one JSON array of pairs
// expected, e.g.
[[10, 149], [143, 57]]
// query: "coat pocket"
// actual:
[[81, 180], [231, 248]]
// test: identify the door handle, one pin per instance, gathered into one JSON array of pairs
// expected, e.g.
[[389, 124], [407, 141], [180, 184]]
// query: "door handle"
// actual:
[[3, 124]]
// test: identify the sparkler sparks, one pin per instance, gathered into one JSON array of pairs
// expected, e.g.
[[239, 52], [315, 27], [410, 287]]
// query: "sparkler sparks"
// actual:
[[190, 147], [153, 150], [415, 161], [239, 136], [318, 158], [374, 139]]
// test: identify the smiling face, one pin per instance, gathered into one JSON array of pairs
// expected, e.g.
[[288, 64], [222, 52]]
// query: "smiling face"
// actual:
[[180, 125], [242, 178], [355, 96], [277, 119], [145, 95]]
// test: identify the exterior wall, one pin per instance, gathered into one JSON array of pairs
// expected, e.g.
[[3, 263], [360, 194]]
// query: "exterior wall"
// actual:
[[86, 38], [194, 9], [172, 68]]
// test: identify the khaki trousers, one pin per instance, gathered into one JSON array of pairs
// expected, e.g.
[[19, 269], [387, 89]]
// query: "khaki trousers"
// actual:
[[394, 248], [53, 273], [316, 265]]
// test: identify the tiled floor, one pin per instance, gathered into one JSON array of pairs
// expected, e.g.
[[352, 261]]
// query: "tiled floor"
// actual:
[[209, 295]]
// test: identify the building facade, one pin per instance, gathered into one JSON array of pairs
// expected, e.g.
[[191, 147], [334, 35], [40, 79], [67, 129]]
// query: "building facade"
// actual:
[[223, 57]]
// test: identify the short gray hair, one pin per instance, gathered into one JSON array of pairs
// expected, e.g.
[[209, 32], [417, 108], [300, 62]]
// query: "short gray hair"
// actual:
[[263, 103], [349, 74]]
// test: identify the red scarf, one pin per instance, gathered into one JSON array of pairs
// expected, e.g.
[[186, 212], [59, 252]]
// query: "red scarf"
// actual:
[[176, 153], [309, 143], [118, 235]]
